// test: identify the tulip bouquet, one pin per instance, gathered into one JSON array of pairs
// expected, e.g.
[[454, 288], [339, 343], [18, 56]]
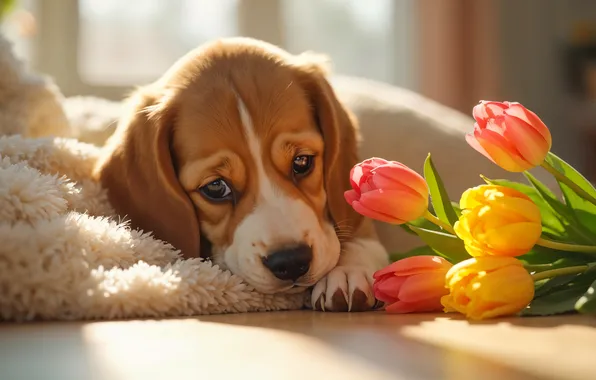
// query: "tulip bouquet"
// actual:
[[506, 248]]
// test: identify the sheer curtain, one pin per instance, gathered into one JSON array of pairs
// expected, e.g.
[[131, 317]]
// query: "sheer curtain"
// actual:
[[459, 51]]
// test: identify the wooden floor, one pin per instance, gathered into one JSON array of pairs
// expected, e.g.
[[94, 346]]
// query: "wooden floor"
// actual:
[[302, 345]]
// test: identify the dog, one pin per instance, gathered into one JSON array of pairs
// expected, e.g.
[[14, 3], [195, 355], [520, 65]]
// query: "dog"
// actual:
[[241, 153]]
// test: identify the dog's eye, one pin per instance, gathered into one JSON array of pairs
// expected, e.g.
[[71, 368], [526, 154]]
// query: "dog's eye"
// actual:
[[217, 190], [302, 165]]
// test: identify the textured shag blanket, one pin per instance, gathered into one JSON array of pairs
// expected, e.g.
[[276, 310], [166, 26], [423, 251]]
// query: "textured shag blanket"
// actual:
[[63, 252], [64, 255]]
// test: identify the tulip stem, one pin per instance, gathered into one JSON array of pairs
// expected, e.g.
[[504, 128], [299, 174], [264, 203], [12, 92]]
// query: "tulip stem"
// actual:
[[565, 246], [559, 272], [572, 185], [433, 219], [538, 267]]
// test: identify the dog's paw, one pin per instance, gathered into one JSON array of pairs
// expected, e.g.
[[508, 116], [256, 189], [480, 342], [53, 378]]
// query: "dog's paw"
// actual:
[[344, 289]]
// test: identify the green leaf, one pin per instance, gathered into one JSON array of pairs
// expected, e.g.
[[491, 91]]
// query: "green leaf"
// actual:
[[418, 251], [552, 225], [550, 284], [456, 208], [563, 297], [555, 263], [586, 304], [438, 194], [543, 255], [584, 211], [446, 245], [570, 172], [577, 232], [424, 223], [407, 229], [559, 302]]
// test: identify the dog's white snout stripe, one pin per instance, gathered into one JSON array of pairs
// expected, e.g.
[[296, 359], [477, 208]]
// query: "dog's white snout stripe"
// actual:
[[276, 215]]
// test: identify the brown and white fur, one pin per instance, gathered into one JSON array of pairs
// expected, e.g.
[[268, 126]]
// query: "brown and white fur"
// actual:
[[243, 111]]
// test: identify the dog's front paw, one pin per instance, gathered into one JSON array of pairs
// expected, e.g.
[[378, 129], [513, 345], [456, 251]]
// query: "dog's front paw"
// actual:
[[344, 289]]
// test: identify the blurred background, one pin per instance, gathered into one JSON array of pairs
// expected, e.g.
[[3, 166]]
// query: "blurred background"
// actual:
[[541, 53]]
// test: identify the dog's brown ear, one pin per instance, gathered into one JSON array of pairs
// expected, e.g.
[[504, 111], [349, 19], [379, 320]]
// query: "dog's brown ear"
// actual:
[[137, 169], [340, 134]]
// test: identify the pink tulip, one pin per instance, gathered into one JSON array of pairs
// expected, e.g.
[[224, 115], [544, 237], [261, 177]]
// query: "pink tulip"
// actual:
[[510, 135], [387, 191], [413, 284]]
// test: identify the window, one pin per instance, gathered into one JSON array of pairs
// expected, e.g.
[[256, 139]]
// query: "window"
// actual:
[[356, 34], [134, 41], [103, 47]]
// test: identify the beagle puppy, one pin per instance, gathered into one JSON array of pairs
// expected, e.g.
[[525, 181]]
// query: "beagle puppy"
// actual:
[[241, 153]]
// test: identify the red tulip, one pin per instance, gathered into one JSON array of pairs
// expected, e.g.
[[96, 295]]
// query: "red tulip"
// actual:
[[387, 191], [510, 135], [413, 284]]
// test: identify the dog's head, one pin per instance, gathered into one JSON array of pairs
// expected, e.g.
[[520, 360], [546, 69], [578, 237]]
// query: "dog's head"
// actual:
[[240, 152]]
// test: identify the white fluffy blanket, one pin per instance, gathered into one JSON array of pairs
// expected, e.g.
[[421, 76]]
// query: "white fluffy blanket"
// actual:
[[64, 256], [63, 253]]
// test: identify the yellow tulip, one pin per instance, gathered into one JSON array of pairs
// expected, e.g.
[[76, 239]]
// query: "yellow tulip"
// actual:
[[488, 287], [498, 221]]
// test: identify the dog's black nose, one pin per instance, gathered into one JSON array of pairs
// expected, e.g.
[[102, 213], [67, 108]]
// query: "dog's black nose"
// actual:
[[289, 263]]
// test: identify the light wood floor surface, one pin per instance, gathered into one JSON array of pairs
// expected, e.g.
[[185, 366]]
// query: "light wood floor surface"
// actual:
[[302, 345]]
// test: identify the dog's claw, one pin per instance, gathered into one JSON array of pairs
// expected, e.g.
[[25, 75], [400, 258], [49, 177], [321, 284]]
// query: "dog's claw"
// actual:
[[344, 289], [319, 303]]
